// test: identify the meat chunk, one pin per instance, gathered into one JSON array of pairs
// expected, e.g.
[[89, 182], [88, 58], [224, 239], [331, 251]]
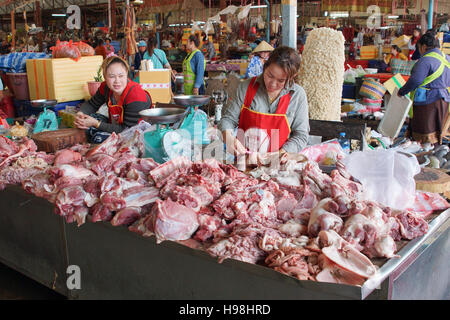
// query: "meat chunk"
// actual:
[[173, 221], [411, 225], [126, 216], [66, 156], [133, 197], [324, 218], [160, 173]]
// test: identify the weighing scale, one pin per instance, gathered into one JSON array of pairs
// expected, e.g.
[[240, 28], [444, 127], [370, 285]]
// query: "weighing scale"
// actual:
[[167, 142], [47, 120], [195, 117]]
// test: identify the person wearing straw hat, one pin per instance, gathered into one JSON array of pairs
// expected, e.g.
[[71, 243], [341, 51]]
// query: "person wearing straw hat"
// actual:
[[260, 55], [269, 113]]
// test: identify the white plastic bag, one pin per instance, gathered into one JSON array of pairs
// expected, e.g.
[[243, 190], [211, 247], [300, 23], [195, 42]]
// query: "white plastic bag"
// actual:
[[360, 72], [386, 175], [243, 13], [350, 75]]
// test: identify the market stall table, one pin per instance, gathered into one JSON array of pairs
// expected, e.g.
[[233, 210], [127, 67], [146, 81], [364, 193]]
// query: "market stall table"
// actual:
[[117, 263]]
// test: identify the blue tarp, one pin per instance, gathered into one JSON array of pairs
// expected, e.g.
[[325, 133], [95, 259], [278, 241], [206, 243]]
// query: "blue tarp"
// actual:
[[16, 62]]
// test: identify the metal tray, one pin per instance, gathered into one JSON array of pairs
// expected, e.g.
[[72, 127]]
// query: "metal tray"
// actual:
[[187, 101], [163, 115], [41, 103]]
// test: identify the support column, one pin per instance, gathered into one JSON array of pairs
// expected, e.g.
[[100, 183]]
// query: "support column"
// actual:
[[13, 29], [38, 21], [113, 19], [430, 14], [289, 18]]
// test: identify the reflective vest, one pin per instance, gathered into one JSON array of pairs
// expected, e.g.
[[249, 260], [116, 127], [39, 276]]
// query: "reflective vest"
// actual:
[[189, 75], [420, 94]]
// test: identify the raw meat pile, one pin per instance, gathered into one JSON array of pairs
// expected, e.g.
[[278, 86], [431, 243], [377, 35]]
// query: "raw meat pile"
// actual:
[[305, 224]]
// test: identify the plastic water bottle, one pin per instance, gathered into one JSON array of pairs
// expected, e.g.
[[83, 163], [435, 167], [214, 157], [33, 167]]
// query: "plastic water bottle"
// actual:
[[345, 143]]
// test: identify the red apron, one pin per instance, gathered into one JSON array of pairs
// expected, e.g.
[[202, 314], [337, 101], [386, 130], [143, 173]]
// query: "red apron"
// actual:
[[275, 125], [116, 110]]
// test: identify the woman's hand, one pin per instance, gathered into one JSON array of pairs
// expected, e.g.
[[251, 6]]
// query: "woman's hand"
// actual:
[[195, 91], [83, 121], [233, 145]]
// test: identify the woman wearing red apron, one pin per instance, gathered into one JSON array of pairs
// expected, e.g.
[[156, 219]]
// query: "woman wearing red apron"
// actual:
[[123, 97], [270, 112]]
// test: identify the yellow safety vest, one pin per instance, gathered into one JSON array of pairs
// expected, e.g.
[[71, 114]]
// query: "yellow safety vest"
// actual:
[[421, 89]]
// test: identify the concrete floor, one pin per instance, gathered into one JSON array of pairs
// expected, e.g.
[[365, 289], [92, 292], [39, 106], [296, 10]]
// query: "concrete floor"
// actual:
[[16, 286]]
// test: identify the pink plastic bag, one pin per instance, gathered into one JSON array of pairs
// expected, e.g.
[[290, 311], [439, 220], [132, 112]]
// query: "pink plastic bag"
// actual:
[[317, 152]]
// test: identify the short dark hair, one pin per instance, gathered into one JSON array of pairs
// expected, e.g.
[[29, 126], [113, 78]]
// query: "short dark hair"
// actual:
[[396, 48], [194, 38], [287, 59], [429, 40]]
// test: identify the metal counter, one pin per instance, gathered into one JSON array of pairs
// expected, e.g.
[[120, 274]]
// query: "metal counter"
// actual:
[[118, 264]]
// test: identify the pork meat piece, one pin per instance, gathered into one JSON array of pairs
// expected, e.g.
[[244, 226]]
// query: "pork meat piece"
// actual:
[[100, 213], [66, 156], [40, 186], [293, 229], [342, 253], [173, 221], [134, 145], [122, 163], [210, 170], [133, 197], [313, 174], [186, 196], [126, 216], [261, 206], [143, 226], [109, 146], [291, 262], [70, 202], [207, 225], [308, 200], [7, 147], [16, 175], [101, 163], [7, 160], [332, 273], [323, 217], [411, 225], [68, 170], [242, 248], [160, 173]]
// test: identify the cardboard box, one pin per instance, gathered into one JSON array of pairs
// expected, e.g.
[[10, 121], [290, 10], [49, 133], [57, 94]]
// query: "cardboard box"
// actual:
[[401, 41], [368, 52], [61, 79], [157, 83], [396, 81]]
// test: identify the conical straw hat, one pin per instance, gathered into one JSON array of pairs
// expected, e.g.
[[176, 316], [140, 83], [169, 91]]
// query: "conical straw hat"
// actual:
[[263, 46]]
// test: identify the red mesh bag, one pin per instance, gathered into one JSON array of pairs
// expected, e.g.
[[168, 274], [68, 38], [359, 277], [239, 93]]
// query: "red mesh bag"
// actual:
[[85, 49], [66, 49]]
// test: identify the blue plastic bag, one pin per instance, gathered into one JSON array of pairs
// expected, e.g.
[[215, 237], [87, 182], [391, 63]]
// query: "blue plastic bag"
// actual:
[[46, 122], [196, 123]]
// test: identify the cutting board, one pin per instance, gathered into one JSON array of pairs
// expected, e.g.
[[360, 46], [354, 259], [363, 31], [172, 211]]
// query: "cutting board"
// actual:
[[432, 180], [395, 115]]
